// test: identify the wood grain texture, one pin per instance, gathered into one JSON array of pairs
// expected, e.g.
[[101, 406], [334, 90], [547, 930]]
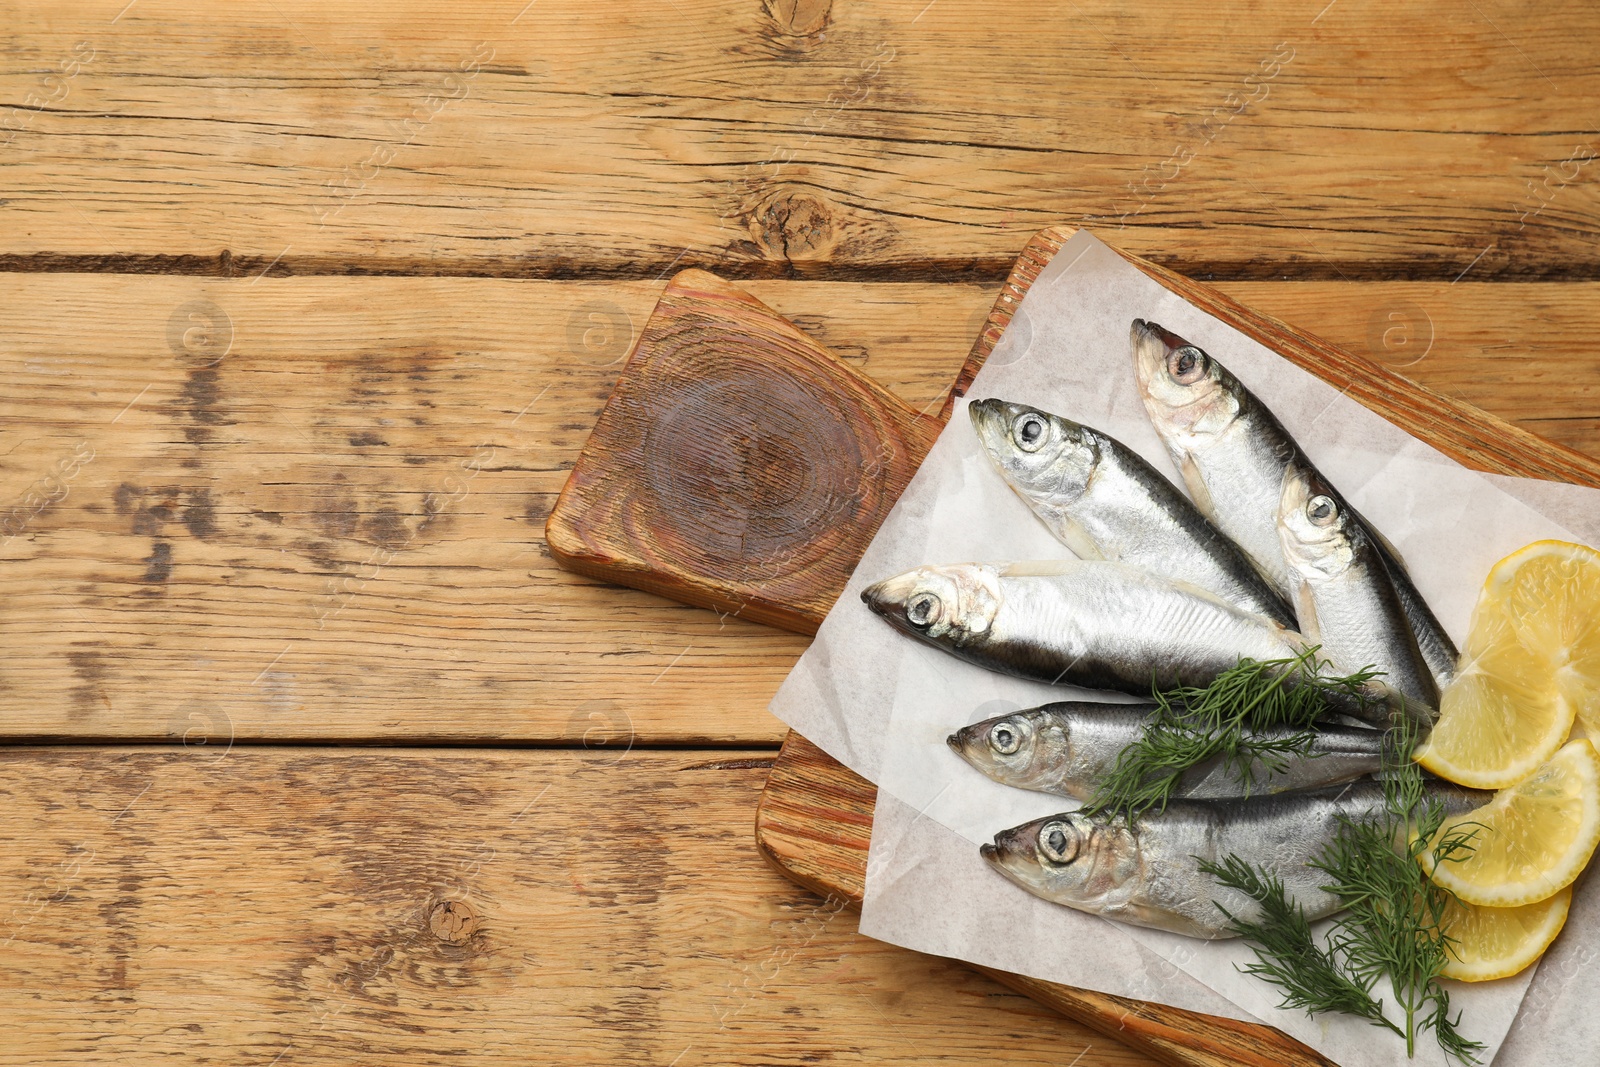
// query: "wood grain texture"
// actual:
[[318, 906], [1517, 351], [894, 139], [814, 823], [335, 530], [275, 904], [464, 629], [737, 465]]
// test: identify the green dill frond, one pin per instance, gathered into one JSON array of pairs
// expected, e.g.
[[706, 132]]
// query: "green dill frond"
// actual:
[[1224, 721], [1287, 955]]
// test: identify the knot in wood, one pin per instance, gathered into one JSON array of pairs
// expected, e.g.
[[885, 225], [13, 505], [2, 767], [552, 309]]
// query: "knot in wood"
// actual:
[[789, 224], [453, 922], [799, 18]]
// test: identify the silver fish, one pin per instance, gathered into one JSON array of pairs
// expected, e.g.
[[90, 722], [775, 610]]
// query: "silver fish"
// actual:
[[1232, 453], [1146, 872], [1098, 625], [1069, 748], [1344, 596], [1103, 501]]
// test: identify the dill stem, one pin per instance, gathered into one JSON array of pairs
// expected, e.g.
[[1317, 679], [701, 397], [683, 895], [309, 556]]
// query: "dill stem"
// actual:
[[1411, 1024], [1296, 664]]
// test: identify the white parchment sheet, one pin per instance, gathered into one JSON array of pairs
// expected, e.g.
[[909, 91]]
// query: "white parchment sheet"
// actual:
[[882, 703]]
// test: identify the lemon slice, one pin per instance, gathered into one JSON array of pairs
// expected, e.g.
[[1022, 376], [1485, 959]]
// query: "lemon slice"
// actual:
[[1531, 662], [1531, 840], [1549, 593], [1499, 942]]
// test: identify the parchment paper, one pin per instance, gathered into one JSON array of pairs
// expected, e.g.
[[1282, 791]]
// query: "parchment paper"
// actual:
[[882, 704]]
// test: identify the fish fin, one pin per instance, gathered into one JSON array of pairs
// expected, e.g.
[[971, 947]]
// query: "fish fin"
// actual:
[[1438, 651], [1305, 612], [1197, 485], [1075, 537], [1040, 568]]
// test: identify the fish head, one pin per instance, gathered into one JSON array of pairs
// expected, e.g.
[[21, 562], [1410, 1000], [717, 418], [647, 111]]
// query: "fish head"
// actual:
[[1184, 389], [1320, 534], [1044, 454], [953, 605], [1022, 747], [1083, 861]]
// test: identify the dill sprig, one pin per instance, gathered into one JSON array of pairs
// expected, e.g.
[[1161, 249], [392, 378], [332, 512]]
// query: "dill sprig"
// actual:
[[1192, 725], [1393, 922], [1287, 955]]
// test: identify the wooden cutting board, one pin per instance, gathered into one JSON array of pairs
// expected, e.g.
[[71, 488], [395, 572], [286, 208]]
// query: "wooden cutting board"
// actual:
[[739, 466]]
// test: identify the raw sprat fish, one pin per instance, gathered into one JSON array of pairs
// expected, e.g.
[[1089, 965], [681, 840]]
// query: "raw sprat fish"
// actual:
[[1096, 625], [1103, 501], [1233, 453], [1146, 871], [1343, 594], [1068, 748]]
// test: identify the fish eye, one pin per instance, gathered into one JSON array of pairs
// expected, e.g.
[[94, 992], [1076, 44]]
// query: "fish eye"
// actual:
[[1322, 510], [922, 610], [1006, 738], [1187, 365], [1029, 431], [1058, 842]]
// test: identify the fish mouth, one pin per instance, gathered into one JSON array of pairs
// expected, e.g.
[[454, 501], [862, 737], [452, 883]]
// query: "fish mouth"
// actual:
[[965, 743], [987, 408], [884, 598], [1297, 489], [1306, 544], [1012, 856], [1015, 840], [991, 420], [889, 598], [1154, 331], [1151, 346]]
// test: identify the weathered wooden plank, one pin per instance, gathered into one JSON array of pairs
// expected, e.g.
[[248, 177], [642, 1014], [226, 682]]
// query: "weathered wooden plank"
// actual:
[[401, 906], [292, 479], [335, 530], [900, 139]]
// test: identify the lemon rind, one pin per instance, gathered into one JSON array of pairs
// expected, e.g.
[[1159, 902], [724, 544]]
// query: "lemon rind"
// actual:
[[1506, 966]]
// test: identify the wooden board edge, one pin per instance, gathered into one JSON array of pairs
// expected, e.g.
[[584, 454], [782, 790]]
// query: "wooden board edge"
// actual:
[[1039, 250], [1467, 434], [1171, 1035], [574, 554]]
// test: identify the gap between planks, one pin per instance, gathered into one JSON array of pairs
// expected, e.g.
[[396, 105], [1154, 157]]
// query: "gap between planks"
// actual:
[[987, 270]]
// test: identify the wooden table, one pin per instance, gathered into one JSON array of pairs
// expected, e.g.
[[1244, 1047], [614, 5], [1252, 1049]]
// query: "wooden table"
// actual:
[[313, 754]]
